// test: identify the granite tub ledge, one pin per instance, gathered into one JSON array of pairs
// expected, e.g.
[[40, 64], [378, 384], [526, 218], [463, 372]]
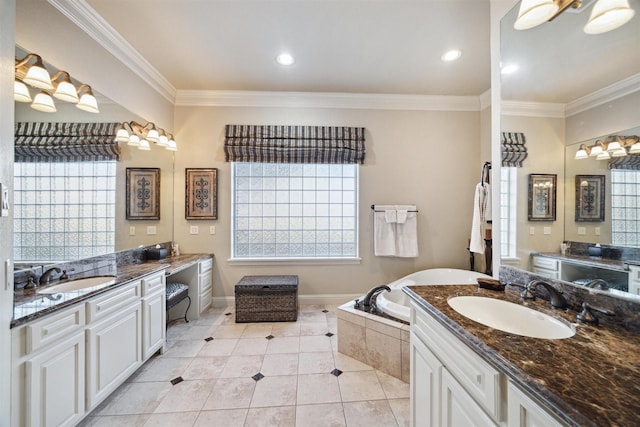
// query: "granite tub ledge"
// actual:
[[590, 379]]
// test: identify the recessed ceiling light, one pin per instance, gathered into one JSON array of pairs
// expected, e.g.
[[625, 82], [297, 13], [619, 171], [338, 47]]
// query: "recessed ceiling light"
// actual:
[[509, 69], [451, 55], [285, 59]]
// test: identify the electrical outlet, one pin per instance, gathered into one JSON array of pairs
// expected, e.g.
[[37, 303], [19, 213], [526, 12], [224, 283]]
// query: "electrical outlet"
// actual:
[[194, 229], [582, 231], [151, 229], [212, 229], [532, 231], [547, 231], [596, 231], [132, 231]]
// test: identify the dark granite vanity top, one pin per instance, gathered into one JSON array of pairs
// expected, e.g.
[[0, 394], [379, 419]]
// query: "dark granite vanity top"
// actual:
[[590, 379], [29, 305]]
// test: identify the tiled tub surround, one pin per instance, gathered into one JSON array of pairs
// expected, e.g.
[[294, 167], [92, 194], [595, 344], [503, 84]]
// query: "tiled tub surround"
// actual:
[[126, 266], [377, 341], [590, 379]]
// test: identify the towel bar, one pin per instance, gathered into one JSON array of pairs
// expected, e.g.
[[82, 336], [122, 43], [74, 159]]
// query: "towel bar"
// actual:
[[373, 208]]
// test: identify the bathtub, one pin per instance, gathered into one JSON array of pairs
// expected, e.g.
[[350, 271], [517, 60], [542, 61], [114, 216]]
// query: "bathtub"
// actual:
[[396, 302]]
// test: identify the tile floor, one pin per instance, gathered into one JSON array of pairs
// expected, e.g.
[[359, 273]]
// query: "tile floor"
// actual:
[[256, 374]]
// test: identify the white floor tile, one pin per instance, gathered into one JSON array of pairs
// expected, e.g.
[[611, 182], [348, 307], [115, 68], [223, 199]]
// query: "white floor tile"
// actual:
[[222, 417], [186, 396], [324, 415], [242, 366], [280, 364], [230, 393], [316, 363], [317, 388], [270, 417], [275, 391], [248, 346], [283, 345], [362, 385]]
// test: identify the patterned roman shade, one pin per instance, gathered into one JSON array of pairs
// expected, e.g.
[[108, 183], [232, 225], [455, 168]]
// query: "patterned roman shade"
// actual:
[[514, 151], [629, 162], [294, 144], [66, 142]]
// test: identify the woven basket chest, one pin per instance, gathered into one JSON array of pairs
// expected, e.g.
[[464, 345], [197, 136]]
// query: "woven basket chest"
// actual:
[[267, 299]]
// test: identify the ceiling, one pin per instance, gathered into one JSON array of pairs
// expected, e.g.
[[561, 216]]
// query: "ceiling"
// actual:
[[340, 46]]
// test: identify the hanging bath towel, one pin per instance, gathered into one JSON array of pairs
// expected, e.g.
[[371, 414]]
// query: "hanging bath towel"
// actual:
[[395, 231], [480, 202]]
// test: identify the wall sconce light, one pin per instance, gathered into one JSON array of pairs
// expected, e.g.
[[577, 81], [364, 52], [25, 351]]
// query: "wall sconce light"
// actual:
[[606, 15], [136, 135], [60, 86], [618, 146]]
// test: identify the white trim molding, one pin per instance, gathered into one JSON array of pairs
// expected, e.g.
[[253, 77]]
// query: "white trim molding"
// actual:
[[533, 109], [602, 96], [364, 101], [90, 21]]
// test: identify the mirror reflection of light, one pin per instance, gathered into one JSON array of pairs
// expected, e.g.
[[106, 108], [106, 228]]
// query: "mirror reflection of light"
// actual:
[[509, 69]]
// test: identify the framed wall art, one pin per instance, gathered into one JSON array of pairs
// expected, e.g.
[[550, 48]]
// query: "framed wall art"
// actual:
[[542, 197], [201, 193], [590, 198], [143, 193]]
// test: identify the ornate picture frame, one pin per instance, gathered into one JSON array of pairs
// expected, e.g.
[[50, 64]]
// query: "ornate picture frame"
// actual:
[[590, 198], [201, 193], [542, 197], [143, 193]]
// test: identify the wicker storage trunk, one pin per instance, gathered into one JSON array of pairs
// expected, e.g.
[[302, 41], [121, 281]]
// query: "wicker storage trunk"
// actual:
[[267, 299]]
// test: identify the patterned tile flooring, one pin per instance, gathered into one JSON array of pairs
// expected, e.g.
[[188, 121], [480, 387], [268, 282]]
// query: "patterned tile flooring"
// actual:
[[255, 374]]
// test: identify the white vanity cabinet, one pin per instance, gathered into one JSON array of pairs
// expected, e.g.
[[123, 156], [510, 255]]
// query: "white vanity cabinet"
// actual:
[[547, 267], [153, 314], [205, 284], [48, 370], [198, 278], [634, 279], [451, 385]]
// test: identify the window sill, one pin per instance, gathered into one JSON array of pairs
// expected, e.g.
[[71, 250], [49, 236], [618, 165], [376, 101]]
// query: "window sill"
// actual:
[[294, 261]]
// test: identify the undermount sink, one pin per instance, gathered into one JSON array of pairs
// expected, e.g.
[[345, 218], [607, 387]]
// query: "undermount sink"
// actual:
[[78, 284], [512, 318]]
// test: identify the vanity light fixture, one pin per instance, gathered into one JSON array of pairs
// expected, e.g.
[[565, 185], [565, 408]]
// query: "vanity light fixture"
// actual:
[[618, 146], [603, 156], [137, 135], [597, 149], [43, 102], [21, 92], [87, 100], [36, 75], [606, 15], [582, 153], [65, 90]]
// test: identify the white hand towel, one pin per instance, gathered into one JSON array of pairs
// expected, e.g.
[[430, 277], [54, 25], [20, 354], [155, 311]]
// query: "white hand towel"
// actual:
[[486, 204], [401, 216], [390, 216], [407, 235], [384, 237], [476, 242]]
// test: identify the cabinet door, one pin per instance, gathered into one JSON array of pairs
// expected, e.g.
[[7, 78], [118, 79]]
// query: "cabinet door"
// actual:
[[114, 353], [425, 385], [458, 408], [153, 323], [524, 412], [55, 380]]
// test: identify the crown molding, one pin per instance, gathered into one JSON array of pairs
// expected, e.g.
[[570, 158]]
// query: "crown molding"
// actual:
[[87, 19], [602, 96], [533, 109], [365, 101], [485, 99]]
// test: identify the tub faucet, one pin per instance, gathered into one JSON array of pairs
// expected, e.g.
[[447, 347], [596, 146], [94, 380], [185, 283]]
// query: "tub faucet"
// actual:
[[555, 296], [367, 300], [46, 276], [598, 284]]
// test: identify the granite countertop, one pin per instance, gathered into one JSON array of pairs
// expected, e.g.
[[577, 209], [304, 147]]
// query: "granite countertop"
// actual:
[[590, 379], [29, 305], [598, 262]]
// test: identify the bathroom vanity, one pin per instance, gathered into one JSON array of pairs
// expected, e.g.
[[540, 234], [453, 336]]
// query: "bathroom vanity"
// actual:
[[71, 350], [464, 373]]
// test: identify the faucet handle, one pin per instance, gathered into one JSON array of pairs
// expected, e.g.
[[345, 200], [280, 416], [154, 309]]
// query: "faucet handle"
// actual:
[[587, 316]]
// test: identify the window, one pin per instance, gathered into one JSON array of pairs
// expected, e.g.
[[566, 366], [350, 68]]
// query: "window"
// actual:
[[508, 211], [294, 211], [63, 211], [625, 200]]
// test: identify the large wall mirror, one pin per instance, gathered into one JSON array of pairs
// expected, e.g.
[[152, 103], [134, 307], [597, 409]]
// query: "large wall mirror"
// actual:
[[568, 88], [38, 234]]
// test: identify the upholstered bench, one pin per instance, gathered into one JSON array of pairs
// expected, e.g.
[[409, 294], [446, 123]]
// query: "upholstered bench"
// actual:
[[176, 292]]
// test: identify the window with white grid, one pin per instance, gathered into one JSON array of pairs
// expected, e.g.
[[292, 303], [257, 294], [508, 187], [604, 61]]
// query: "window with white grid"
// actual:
[[625, 202], [293, 211], [508, 211], [64, 211]]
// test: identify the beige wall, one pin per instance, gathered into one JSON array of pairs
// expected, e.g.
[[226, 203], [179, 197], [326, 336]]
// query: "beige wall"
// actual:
[[431, 159], [545, 145]]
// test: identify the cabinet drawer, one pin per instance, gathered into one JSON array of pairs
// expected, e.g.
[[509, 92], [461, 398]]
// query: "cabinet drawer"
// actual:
[[54, 327], [151, 284], [204, 282], [546, 263], [205, 266], [634, 274], [112, 301], [479, 378], [205, 299]]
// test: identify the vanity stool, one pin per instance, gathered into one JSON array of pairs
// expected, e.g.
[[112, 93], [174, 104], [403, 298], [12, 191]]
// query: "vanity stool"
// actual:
[[176, 292]]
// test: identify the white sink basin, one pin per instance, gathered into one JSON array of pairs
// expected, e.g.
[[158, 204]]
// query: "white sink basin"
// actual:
[[512, 318], [79, 284]]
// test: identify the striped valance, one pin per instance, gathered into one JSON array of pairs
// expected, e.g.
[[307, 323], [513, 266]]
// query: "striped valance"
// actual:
[[514, 151], [66, 142], [294, 144], [629, 162]]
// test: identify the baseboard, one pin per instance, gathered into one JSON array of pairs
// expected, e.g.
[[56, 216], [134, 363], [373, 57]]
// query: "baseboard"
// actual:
[[322, 299]]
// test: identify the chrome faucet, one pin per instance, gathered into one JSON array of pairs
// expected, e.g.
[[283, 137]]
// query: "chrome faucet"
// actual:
[[46, 276], [366, 302], [555, 296]]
